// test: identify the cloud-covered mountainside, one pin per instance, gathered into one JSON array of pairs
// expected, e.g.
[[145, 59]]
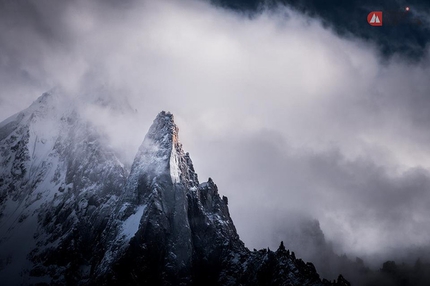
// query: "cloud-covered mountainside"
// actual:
[[299, 117], [306, 236], [72, 214], [293, 111]]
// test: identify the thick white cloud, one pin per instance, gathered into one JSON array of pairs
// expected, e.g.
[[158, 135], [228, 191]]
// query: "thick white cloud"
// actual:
[[280, 111]]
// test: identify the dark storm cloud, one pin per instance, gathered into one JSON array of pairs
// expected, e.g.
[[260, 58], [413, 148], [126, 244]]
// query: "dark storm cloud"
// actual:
[[405, 33], [285, 115], [355, 200]]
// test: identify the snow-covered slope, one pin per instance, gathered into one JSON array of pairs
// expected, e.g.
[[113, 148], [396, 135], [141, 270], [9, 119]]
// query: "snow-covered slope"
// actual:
[[55, 173], [72, 214]]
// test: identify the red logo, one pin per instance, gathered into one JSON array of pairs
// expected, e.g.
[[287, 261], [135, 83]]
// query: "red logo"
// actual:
[[375, 18]]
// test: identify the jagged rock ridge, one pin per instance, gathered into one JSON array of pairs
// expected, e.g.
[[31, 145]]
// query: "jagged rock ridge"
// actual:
[[85, 219]]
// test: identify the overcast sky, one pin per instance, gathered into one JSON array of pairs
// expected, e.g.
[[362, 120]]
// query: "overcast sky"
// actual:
[[285, 111]]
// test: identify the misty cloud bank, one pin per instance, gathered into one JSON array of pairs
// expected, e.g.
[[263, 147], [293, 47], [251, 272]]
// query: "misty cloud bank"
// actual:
[[288, 118], [404, 31]]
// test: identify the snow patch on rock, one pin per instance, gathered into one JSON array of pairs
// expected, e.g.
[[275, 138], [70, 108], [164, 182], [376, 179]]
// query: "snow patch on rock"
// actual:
[[131, 224]]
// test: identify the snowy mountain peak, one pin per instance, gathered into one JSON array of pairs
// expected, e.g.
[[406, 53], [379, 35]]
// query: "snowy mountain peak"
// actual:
[[160, 159], [43, 99], [56, 168], [51, 98], [163, 130]]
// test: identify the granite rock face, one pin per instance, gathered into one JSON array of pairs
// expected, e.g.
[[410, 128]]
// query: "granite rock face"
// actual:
[[72, 214]]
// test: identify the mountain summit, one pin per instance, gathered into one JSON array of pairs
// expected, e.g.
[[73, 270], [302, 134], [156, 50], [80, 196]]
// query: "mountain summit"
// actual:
[[72, 214]]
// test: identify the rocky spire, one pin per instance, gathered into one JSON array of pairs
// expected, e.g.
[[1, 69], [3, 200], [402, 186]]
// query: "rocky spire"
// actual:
[[160, 158]]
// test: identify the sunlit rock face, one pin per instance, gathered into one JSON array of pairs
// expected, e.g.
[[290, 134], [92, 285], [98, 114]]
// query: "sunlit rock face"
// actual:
[[71, 213]]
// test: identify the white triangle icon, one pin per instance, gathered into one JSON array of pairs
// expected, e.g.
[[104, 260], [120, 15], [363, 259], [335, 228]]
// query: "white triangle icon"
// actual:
[[375, 19]]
